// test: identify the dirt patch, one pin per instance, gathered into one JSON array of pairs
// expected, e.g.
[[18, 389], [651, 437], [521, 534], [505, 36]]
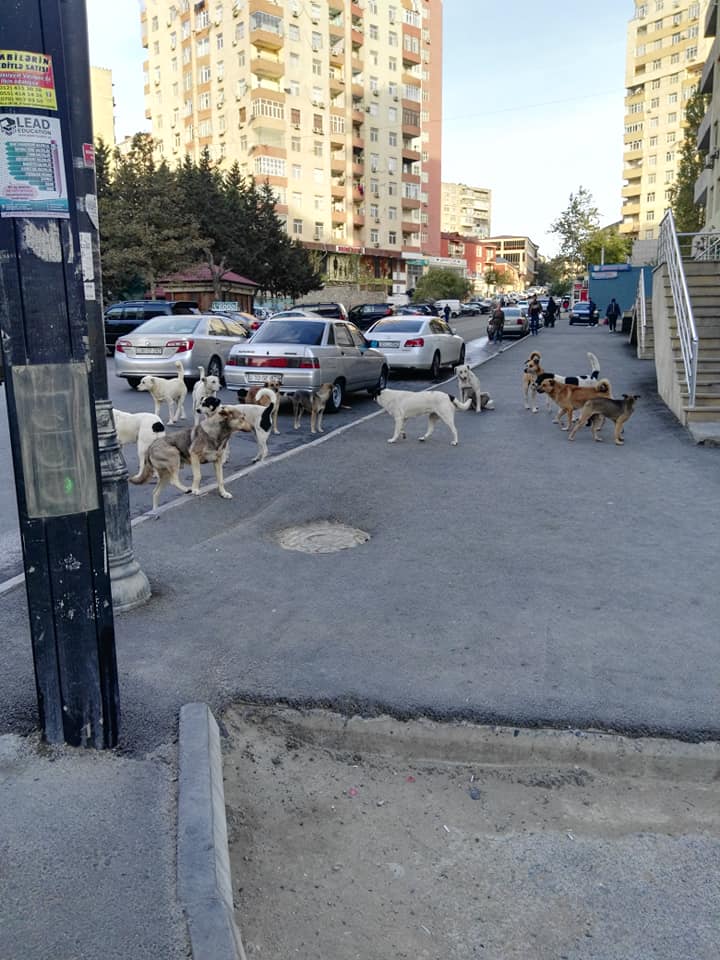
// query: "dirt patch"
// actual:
[[370, 843]]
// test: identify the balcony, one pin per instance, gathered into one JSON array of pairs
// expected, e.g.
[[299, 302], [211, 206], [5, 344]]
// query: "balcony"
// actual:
[[358, 220], [358, 167], [337, 56], [267, 68], [630, 209], [336, 29], [703, 135], [412, 155], [411, 58], [411, 203], [711, 19], [338, 191], [357, 38], [337, 84], [708, 74], [631, 190], [338, 217], [337, 164]]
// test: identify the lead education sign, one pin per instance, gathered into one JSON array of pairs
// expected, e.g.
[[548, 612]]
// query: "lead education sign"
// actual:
[[32, 181]]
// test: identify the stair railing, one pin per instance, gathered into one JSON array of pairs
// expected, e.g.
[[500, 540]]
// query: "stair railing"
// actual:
[[641, 311], [669, 254]]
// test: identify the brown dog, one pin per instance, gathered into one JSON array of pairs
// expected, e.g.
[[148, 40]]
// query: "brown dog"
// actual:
[[312, 402], [570, 397], [531, 371], [596, 410]]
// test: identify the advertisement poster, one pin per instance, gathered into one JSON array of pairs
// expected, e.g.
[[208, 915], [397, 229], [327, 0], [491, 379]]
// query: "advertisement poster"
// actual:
[[32, 179], [27, 80]]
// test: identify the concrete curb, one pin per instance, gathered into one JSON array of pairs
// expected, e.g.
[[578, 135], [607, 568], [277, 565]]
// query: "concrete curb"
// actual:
[[204, 882]]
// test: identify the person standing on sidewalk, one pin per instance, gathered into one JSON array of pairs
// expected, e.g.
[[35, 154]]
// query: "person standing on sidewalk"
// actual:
[[550, 312], [534, 311], [592, 308], [498, 324], [612, 313]]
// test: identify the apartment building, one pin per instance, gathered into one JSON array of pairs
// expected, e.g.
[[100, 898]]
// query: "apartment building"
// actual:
[[666, 50], [477, 254], [521, 253], [466, 210], [102, 105], [707, 188], [337, 104]]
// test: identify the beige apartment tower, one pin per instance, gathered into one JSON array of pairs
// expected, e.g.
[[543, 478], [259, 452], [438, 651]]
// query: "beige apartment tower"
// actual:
[[337, 104], [466, 210], [666, 51]]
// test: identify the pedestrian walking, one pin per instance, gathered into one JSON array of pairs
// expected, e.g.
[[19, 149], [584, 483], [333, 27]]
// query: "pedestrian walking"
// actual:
[[551, 312], [592, 306], [534, 312], [613, 313], [497, 324], [447, 312]]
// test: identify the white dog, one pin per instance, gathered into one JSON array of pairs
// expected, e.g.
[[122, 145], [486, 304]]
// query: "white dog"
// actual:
[[470, 387], [403, 404], [257, 417], [205, 387], [140, 428], [172, 392]]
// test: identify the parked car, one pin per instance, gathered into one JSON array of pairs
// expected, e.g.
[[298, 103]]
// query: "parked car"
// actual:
[[124, 317], [470, 309], [336, 310], [523, 305], [580, 313], [195, 339], [365, 314], [305, 352], [416, 341], [297, 312], [517, 323], [247, 320]]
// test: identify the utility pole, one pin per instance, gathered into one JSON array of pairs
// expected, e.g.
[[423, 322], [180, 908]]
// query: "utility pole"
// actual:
[[130, 587], [51, 412]]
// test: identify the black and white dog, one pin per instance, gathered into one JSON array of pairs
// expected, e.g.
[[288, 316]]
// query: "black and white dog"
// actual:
[[258, 419]]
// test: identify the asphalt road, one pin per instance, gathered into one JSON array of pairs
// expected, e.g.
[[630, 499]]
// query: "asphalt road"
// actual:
[[242, 450]]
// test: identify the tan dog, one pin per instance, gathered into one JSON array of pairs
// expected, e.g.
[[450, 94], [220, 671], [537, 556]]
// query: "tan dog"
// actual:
[[312, 403], [570, 397], [470, 387], [436, 405], [172, 392], [595, 411], [204, 443], [531, 371], [254, 395]]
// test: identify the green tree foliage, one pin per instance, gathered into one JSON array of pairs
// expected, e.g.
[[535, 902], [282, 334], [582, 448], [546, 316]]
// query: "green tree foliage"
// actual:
[[555, 274], [575, 225], [144, 231], [607, 246], [689, 216], [439, 284]]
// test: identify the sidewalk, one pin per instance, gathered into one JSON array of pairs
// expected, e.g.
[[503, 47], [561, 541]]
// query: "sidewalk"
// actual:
[[516, 579]]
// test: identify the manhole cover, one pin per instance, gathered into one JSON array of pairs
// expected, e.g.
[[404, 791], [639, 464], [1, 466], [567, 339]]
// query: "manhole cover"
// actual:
[[322, 537]]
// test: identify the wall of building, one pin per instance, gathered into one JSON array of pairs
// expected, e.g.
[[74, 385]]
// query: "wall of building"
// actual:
[[102, 105]]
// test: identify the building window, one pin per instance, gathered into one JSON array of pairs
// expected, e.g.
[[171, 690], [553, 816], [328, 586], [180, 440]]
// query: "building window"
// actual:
[[374, 236], [392, 236], [316, 41], [392, 138], [317, 230], [297, 227], [317, 68], [296, 171], [293, 32], [295, 145]]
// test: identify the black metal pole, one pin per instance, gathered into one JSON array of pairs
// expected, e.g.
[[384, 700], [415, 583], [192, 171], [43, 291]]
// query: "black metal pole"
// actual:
[[130, 587], [51, 413]]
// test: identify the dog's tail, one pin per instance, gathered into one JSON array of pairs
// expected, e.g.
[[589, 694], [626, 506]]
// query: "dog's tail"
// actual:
[[265, 393], [266, 418], [462, 406], [145, 472], [594, 366], [603, 386], [180, 369], [202, 372]]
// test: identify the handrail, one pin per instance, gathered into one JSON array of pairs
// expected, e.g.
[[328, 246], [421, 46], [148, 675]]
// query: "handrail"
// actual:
[[687, 332], [702, 245], [641, 310]]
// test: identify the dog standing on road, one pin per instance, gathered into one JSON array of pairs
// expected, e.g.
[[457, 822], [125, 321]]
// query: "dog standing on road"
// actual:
[[256, 417], [205, 387], [140, 428], [205, 443], [470, 387], [404, 404], [597, 409], [172, 392], [312, 402], [534, 375], [251, 396], [570, 397]]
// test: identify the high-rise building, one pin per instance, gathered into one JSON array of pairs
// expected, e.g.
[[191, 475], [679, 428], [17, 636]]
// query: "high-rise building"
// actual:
[[666, 51], [466, 210], [102, 105], [336, 103]]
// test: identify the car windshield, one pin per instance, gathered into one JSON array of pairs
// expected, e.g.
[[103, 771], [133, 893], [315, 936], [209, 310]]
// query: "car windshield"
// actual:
[[581, 306], [404, 324], [511, 312], [308, 332], [172, 324]]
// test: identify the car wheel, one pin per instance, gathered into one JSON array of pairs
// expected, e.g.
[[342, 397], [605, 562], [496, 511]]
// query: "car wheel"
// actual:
[[133, 382], [337, 396], [214, 369], [435, 367], [381, 383]]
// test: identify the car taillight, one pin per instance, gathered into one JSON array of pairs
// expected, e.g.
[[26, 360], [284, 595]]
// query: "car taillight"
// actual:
[[255, 325], [121, 344], [232, 362], [181, 346], [416, 342], [309, 363]]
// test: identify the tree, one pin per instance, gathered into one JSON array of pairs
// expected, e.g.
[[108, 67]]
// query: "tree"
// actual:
[[492, 277], [607, 246], [439, 284], [555, 274], [575, 226], [689, 216]]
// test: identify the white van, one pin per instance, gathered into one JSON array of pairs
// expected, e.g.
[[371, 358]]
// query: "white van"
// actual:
[[453, 304]]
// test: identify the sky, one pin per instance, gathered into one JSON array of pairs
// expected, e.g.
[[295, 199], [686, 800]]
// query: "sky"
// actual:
[[532, 100]]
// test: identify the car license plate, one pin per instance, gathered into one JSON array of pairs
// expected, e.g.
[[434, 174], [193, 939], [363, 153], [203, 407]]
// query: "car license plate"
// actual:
[[149, 350], [389, 343], [262, 377]]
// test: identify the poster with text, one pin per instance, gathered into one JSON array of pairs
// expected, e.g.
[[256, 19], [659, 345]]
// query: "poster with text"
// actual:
[[32, 178]]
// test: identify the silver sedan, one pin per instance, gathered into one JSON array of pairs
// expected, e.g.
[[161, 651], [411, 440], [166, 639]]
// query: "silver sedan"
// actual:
[[417, 341], [196, 340]]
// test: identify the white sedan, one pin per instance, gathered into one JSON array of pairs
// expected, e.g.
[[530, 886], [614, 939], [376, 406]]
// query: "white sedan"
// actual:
[[418, 342]]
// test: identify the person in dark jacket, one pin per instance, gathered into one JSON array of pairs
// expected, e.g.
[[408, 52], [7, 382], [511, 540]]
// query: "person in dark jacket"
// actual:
[[593, 319], [534, 312], [613, 313], [551, 312]]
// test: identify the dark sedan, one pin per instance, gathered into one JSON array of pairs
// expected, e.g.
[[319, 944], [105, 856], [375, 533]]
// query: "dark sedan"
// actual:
[[365, 314], [580, 313]]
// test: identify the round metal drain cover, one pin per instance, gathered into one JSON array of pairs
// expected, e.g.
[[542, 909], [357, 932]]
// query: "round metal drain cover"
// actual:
[[321, 537]]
